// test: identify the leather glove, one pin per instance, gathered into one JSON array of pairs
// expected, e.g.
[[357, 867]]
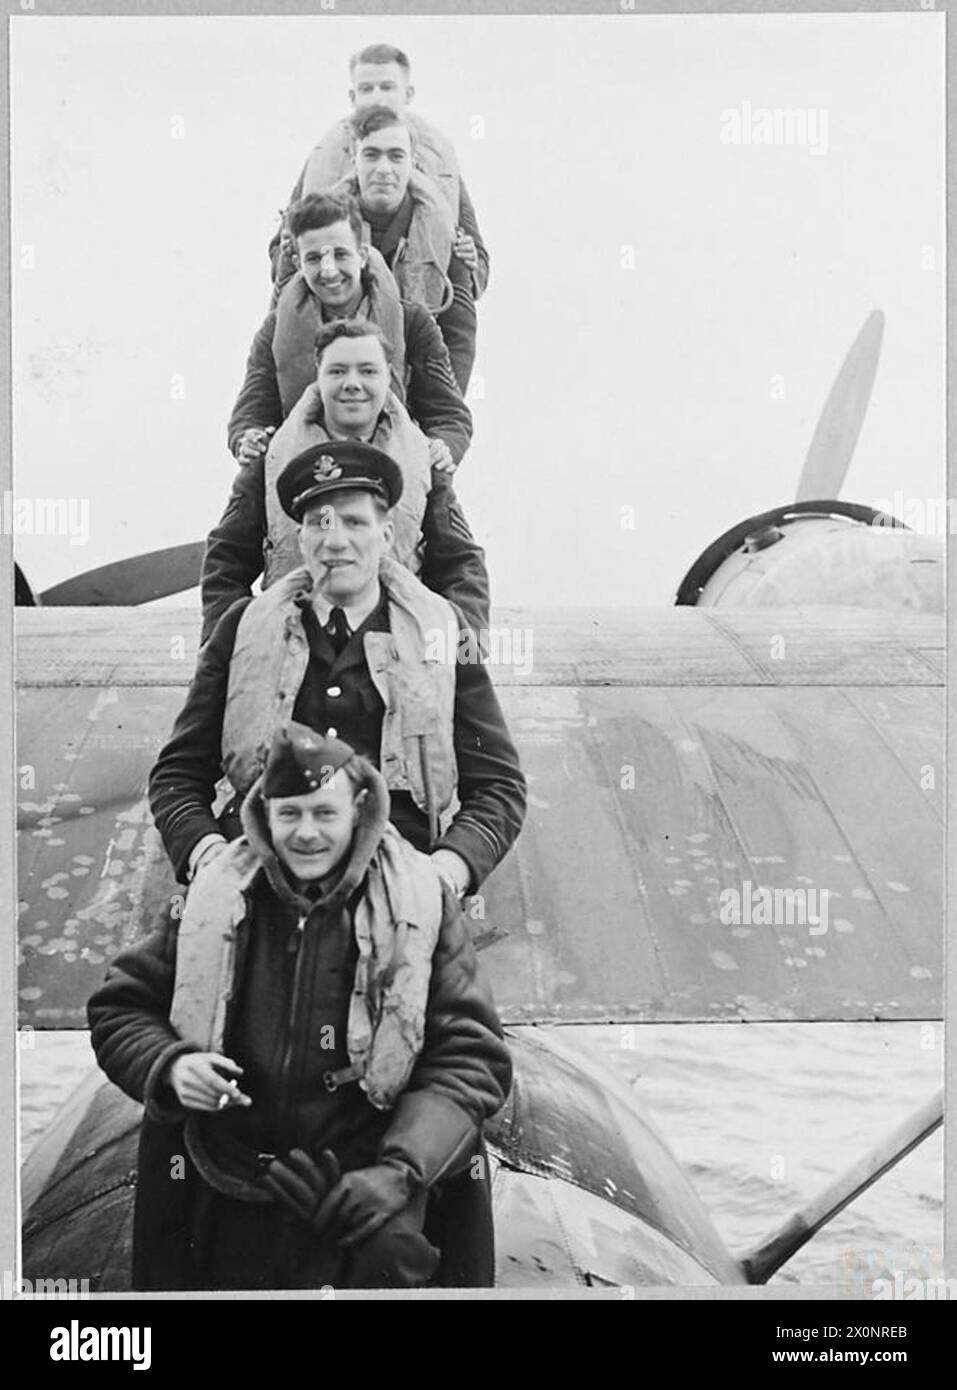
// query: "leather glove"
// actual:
[[363, 1201], [431, 1135], [301, 1184]]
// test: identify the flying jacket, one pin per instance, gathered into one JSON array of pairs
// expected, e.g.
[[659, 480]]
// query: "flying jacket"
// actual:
[[273, 1025], [396, 922]]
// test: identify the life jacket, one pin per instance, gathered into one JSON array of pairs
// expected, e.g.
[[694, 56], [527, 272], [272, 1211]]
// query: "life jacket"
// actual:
[[420, 265], [413, 672], [396, 922], [395, 434], [299, 318], [332, 159]]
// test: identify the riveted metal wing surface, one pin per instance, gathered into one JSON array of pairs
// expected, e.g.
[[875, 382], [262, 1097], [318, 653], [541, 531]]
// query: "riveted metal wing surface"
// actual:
[[682, 764]]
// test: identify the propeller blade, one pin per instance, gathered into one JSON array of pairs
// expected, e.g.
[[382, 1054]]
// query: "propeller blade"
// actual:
[[23, 595], [763, 1260], [835, 439], [127, 582]]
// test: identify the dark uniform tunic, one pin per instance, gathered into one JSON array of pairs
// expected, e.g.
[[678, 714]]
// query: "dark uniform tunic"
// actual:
[[339, 693], [432, 397], [453, 563], [491, 788]]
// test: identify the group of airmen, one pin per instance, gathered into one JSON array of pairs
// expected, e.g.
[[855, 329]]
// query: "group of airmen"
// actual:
[[311, 1035]]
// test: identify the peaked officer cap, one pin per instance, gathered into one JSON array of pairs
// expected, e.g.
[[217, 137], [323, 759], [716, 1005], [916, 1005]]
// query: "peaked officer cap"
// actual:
[[337, 464]]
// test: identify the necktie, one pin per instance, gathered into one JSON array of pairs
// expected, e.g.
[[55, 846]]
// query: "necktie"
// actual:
[[338, 629]]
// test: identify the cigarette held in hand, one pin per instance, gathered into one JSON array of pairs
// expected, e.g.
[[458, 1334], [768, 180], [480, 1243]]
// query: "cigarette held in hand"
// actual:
[[229, 1095]]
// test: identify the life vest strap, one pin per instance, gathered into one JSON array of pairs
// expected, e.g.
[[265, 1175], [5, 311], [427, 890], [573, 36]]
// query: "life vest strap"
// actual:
[[332, 1080]]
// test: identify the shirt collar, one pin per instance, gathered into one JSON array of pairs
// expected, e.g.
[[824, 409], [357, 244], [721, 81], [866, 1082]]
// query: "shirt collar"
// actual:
[[355, 616]]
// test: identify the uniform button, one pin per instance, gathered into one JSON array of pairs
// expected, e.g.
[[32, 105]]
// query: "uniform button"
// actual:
[[334, 690]]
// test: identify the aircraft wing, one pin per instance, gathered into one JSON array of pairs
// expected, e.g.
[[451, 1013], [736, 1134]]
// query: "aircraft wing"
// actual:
[[674, 757]]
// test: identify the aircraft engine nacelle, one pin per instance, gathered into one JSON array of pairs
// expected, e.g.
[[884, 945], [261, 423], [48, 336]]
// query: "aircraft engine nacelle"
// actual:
[[819, 553]]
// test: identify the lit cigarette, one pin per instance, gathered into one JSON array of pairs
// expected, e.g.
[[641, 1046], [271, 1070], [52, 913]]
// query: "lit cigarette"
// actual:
[[229, 1095]]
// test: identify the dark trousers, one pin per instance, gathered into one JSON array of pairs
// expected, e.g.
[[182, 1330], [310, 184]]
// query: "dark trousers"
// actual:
[[187, 1236], [246, 1245]]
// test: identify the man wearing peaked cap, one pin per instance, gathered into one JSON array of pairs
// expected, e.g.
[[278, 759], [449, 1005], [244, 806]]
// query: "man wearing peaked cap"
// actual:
[[318, 1132], [348, 400], [349, 642], [337, 466]]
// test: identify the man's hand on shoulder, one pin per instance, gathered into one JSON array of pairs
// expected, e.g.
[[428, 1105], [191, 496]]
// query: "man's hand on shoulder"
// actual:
[[453, 869], [440, 455], [466, 249], [253, 443]]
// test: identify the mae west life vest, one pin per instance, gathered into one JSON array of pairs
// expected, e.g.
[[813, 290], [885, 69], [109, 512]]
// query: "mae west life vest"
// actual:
[[395, 434], [412, 667], [420, 265], [396, 923], [299, 318], [435, 157]]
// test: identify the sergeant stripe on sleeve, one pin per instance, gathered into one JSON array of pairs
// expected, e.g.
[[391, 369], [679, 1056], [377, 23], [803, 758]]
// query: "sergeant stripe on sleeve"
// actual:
[[441, 369]]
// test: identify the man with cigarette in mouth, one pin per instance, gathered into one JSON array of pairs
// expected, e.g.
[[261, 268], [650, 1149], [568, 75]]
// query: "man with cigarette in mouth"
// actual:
[[350, 640], [315, 1047]]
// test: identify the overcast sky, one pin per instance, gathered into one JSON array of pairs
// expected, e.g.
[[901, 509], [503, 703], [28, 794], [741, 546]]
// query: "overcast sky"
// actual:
[[590, 146]]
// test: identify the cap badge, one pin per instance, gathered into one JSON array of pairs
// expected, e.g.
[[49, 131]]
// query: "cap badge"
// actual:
[[326, 468]]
